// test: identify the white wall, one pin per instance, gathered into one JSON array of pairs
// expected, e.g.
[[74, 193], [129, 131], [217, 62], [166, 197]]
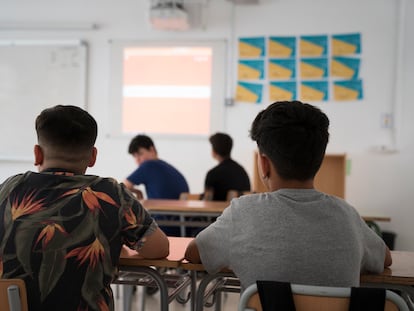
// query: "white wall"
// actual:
[[378, 181]]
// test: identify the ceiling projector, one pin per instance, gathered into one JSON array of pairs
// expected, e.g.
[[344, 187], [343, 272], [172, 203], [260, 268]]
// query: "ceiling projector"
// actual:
[[169, 16]]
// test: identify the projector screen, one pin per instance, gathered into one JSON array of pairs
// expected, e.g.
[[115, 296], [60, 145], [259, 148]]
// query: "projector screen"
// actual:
[[169, 89]]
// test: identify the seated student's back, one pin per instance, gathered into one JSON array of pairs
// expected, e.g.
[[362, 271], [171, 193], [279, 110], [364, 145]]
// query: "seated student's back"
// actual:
[[62, 231], [161, 179], [292, 233], [227, 174]]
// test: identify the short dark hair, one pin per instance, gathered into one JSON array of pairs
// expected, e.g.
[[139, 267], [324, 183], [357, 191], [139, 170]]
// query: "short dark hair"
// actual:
[[221, 144], [66, 129], [293, 135], [140, 141]]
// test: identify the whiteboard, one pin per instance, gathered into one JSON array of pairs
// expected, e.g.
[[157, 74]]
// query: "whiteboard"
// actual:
[[35, 75]]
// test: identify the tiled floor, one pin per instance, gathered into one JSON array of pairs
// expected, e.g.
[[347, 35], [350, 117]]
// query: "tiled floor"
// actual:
[[152, 303]]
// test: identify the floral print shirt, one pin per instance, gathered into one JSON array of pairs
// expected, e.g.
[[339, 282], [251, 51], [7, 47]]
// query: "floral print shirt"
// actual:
[[63, 233]]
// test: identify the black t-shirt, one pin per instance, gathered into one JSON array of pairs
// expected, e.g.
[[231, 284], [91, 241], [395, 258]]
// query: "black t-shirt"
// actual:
[[228, 175]]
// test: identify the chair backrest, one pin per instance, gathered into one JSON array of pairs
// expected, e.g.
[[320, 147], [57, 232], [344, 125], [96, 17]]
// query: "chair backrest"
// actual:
[[206, 196], [13, 296], [318, 298], [190, 196]]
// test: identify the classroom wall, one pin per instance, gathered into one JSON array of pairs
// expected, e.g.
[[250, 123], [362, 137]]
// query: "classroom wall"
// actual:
[[380, 160]]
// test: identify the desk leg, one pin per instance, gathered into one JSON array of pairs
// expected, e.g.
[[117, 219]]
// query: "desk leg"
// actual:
[[193, 290], [199, 304], [182, 226], [218, 301], [127, 297], [154, 274]]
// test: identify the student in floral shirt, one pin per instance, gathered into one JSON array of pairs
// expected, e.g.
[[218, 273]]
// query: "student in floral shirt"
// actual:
[[61, 230]]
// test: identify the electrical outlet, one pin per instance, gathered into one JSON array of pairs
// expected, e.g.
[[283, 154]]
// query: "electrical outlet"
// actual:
[[386, 120]]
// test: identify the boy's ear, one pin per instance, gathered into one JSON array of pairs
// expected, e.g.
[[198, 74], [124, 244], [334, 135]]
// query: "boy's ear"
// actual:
[[264, 165], [153, 150], [92, 159], [38, 155]]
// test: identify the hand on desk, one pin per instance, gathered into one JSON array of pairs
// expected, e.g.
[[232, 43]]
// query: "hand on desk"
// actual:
[[388, 258], [155, 246], [191, 253]]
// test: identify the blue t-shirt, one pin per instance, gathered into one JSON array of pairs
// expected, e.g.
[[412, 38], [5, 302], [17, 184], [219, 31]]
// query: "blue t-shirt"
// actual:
[[161, 180]]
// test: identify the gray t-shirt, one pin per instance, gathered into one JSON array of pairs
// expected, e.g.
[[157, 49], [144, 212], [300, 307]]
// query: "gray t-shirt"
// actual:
[[299, 236]]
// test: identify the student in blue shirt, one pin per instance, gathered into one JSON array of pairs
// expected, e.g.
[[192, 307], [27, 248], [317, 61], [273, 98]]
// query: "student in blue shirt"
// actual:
[[161, 179]]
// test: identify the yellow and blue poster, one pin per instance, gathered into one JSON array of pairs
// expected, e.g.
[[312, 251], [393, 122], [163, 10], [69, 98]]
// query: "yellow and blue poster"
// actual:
[[252, 47], [313, 68], [345, 67], [313, 46], [281, 69], [249, 92], [283, 90], [314, 90], [250, 69], [282, 47], [346, 44], [347, 90]]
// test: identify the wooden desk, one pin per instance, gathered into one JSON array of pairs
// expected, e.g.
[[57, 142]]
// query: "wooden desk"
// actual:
[[136, 270], [186, 210], [400, 272], [369, 215], [399, 276], [195, 207], [178, 245]]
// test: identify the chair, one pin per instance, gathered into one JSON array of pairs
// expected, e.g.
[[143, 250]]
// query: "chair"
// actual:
[[206, 196], [189, 196], [318, 298], [13, 296]]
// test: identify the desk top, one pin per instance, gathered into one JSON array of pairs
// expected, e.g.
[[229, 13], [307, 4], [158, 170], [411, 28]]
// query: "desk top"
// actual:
[[178, 245], [185, 205], [401, 271], [369, 215], [217, 207]]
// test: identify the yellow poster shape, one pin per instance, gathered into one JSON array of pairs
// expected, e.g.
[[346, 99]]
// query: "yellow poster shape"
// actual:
[[277, 93], [244, 95], [309, 49], [247, 50], [342, 48], [309, 71], [247, 72], [279, 72], [343, 93], [310, 94], [340, 70], [279, 50]]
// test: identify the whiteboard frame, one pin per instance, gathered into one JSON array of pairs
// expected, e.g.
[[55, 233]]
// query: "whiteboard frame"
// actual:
[[52, 43]]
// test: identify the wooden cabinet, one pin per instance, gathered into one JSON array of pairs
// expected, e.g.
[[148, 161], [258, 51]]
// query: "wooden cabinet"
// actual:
[[329, 179]]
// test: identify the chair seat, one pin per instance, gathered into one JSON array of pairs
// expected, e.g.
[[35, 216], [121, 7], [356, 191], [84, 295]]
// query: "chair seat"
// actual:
[[13, 295]]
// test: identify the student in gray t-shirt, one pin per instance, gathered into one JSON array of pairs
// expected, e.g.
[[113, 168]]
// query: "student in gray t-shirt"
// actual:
[[292, 233]]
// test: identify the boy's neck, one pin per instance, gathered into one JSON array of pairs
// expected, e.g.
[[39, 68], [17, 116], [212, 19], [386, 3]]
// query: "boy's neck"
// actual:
[[274, 185], [63, 166]]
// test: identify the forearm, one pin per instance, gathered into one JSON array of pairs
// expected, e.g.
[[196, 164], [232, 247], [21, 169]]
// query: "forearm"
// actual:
[[388, 258], [155, 246], [191, 253]]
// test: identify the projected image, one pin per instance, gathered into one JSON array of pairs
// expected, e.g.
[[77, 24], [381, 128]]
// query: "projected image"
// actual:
[[167, 90]]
